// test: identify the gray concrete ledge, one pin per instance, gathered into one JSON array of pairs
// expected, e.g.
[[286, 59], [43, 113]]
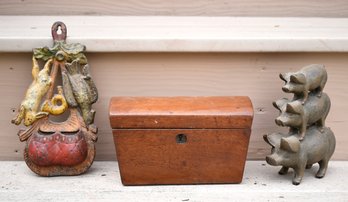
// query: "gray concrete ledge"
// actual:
[[102, 183]]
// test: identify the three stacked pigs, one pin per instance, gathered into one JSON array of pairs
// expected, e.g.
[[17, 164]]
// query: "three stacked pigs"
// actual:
[[308, 141]]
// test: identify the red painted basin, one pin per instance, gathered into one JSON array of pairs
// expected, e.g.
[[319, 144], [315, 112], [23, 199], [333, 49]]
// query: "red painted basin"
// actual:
[[57, 149]]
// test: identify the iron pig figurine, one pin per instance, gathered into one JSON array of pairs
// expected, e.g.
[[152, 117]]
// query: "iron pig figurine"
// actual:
[[298, 116], [308, 141], [310, 78], [290, 152]]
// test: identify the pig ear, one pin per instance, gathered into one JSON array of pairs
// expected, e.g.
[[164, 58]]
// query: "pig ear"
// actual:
[[266, 138], [298, 78], [291, 144], [278, 104], [273, 139], [283, 77], [293, 107], [275, 104]]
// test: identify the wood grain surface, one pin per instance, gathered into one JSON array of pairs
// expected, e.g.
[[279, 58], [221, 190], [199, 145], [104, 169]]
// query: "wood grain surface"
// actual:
[[184, 74], [294, 8], [208, 156], [181, 140], [209, 112]]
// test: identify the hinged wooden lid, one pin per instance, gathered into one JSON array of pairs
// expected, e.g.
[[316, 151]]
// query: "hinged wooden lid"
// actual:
[[180, 112]]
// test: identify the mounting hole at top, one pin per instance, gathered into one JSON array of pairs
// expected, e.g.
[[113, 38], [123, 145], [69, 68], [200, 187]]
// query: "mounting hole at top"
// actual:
[[59, 31]]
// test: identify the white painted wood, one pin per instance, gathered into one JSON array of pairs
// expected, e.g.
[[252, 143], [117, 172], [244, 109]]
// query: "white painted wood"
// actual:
[[179, 34], [261, 182], [300, 8]]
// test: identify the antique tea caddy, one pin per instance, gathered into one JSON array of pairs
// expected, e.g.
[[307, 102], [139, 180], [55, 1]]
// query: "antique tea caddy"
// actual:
[[181, 140]]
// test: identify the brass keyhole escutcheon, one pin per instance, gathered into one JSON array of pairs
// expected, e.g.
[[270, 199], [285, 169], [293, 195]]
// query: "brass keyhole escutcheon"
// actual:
[[181, 138]]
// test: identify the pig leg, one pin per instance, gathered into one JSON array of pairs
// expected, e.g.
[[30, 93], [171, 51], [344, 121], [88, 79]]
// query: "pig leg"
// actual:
[[303, 129], [299, 172], [321, 87], [305, 96], [283, 170], [319, 92], [321, 124], [309, 166], [322, 168]]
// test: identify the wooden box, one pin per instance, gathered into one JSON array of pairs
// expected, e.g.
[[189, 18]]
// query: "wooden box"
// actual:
[[181, 140]]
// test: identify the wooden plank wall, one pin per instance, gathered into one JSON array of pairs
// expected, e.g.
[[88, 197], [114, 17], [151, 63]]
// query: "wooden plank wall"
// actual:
[[171, 74], [280, 8]]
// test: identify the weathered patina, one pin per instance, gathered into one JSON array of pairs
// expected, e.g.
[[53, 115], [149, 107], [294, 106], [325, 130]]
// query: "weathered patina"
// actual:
[[308, 141]]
